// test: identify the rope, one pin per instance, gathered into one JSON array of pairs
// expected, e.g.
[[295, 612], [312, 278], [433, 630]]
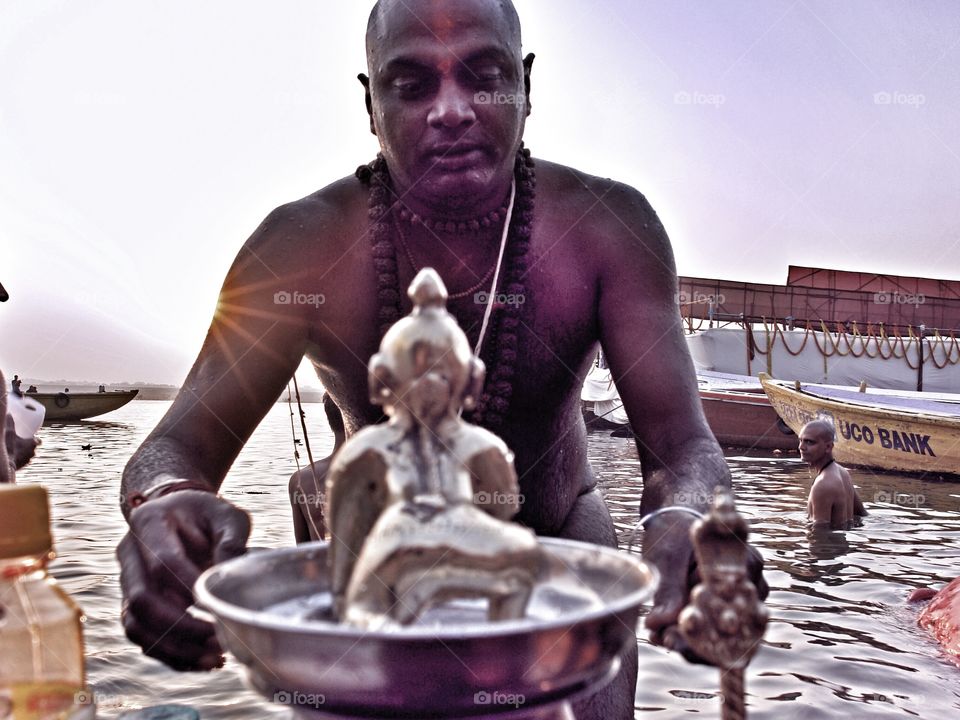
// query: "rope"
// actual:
[[321, 531], [733, 693], [943, 351], [806, 336], [948, 352]]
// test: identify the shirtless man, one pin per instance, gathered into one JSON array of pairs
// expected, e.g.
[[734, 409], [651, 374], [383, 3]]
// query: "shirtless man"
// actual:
[[447, 95], [833, 499]]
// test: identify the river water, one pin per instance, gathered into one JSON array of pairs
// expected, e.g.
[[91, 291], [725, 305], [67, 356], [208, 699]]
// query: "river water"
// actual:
[[841, 642]]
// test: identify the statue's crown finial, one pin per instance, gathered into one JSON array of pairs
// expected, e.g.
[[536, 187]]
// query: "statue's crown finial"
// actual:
[[428, 290]]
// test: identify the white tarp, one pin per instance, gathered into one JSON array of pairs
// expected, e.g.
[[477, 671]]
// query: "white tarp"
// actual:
[[828, 358], [599, 389]]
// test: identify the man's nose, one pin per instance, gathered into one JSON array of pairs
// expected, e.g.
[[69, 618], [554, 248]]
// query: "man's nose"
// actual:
[[452, 107]]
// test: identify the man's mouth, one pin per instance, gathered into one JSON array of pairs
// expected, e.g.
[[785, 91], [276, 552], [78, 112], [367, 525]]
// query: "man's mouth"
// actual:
[[456, 156]]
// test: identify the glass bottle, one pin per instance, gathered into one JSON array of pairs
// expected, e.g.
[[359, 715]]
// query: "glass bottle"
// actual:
[[41, 638]]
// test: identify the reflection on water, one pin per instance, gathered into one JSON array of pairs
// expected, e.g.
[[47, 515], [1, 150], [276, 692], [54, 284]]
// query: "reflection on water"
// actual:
[[841, 641]]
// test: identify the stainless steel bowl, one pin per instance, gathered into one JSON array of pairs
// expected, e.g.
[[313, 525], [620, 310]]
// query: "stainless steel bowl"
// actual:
[[270, 609]]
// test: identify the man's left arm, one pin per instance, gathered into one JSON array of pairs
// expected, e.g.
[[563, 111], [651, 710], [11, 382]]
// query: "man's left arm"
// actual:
[[642, 336], [858, 509], [823, 498]]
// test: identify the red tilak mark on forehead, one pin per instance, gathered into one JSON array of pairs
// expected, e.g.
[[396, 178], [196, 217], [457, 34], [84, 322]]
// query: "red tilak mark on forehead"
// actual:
[[438, 21]]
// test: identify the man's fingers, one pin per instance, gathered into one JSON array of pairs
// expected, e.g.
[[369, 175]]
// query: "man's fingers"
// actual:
[[666, 610], [146, 603], [230, 537], [755, 572], [157, 620], [164, 557], [177, 648]]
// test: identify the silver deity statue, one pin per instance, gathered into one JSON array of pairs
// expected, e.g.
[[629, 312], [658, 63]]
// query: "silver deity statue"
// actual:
[[419, 506]]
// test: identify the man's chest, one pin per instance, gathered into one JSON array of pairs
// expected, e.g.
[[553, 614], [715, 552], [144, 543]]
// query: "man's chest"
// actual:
[[546, 313]]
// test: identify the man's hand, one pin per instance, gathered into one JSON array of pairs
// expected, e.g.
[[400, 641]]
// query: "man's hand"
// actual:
[[171, 541], [19, 450], [668, 548]]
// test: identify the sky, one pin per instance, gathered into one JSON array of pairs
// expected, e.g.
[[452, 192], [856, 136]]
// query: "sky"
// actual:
[[141, 142]]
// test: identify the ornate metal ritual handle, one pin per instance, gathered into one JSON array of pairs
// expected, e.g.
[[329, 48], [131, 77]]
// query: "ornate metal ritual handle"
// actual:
[[725, 619]]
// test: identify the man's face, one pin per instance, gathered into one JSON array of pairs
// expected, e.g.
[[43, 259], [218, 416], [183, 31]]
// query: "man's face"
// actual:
[[814, 446], [447, 99]]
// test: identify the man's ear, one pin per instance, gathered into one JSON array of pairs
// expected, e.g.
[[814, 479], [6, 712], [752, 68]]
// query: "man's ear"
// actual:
[[527, 69], [365, 81]]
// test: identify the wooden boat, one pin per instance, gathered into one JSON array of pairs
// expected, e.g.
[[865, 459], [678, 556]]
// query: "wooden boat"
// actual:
[[739, 413], [737, 410], [80, 406], [900, 431], [745, 419]]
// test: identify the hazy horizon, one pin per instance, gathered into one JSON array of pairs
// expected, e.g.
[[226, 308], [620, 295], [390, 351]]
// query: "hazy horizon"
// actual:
[[141, 144]]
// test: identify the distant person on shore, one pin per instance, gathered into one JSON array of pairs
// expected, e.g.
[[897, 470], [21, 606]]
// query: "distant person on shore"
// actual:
[[15, 384], [102, 389], [833, 499], [32, 389], [307, 486]]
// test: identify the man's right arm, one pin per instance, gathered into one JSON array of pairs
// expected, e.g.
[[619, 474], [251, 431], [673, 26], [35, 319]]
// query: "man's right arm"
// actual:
[[252, 348]]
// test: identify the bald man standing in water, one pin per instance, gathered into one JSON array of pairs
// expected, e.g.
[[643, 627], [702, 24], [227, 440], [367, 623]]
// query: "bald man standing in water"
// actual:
[[581, 260], [833, 500]]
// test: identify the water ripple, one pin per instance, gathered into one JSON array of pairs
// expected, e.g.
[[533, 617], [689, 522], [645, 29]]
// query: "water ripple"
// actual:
[[841, 641]]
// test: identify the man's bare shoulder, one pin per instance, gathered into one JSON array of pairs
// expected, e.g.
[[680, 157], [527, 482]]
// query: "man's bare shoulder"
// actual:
[[829, 483], [318, 221], [609, 213], [613, 231]]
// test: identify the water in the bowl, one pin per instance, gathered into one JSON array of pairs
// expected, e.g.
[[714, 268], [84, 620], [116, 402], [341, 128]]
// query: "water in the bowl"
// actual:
[[842, 643], [304, 608], [551, 600]]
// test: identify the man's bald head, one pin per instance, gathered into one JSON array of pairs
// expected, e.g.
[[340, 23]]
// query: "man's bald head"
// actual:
[[379, 16], [822, 429]]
